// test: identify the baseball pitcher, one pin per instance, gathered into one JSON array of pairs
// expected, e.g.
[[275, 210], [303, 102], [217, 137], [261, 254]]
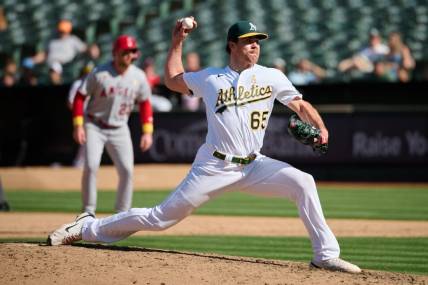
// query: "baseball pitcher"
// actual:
[[239, 99]]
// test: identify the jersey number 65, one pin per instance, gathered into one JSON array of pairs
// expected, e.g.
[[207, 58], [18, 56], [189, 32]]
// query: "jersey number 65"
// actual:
[[258, 119]]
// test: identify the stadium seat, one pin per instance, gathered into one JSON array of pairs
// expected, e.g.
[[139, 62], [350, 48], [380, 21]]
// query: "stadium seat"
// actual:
[[325, 31]]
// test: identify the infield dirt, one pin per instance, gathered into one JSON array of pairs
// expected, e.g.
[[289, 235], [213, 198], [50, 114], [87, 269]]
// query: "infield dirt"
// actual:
[[26, 263], [31, 263]]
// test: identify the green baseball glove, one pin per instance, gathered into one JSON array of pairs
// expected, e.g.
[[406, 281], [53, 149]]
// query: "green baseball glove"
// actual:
[[306, 134]]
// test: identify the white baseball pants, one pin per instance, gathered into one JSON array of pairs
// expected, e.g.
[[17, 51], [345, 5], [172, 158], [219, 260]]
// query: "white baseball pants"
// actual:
[[210, 177], [119, 146]]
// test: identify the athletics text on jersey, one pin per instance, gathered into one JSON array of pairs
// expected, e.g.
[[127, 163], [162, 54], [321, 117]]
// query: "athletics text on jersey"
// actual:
[[238, 105]]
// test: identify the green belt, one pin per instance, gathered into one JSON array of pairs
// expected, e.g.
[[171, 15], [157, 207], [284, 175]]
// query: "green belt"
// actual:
[[236, 159]]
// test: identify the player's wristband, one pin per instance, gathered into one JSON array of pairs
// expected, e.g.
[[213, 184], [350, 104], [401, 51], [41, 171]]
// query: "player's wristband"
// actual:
[[147, 128], [78, 121]]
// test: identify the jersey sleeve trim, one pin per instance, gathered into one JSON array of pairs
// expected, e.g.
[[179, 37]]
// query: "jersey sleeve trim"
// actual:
[[78, 103], [148, 128], [78, 121], [146, 116]]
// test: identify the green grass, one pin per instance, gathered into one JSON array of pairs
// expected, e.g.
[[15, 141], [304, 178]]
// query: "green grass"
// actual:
[[358, 203], [388, 254]]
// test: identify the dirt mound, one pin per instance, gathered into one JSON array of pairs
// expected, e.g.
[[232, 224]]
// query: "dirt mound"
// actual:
[[26, 263]]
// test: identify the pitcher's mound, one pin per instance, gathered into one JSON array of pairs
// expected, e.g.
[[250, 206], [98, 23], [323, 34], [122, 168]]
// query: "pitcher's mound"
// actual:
[[26, 263]]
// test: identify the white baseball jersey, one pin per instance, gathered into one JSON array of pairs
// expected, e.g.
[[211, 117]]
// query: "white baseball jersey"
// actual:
[[238, 106], [113, 95]]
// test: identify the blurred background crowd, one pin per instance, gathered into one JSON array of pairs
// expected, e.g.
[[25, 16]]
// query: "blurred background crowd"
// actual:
[[312, 42]]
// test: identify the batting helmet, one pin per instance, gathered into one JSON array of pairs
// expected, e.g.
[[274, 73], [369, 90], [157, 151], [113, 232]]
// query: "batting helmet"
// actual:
[[124, 42]]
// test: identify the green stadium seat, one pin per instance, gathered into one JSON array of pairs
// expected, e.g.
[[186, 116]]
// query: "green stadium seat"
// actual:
[[325, 31]]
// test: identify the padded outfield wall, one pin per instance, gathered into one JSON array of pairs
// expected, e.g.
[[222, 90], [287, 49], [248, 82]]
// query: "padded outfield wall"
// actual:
[[369, 140]]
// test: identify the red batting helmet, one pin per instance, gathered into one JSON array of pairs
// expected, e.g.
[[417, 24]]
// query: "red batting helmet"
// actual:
[[124, 42]]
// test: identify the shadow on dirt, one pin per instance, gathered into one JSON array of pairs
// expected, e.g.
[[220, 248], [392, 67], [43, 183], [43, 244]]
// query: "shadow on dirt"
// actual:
[[205, 255]]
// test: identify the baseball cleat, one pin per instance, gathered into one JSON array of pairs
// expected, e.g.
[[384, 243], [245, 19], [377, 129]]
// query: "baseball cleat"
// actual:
[[69, 233], [336, 264]]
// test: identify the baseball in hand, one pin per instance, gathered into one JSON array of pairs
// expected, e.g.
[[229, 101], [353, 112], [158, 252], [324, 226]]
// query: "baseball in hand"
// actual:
[[187, 23]]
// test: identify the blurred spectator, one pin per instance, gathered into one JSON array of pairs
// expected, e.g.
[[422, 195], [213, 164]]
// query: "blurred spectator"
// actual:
[[159, 103], [8, 80], [306, 72], [398, 63], [363, 61], [280, 64], [28, 76], [10, 67], [65, 48], [10, 74], [3, 20], [55, 73], [380, 72], [188, 102], [94, 53]]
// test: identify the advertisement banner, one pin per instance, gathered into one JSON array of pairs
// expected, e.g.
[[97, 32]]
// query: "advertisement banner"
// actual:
[[393, 138]]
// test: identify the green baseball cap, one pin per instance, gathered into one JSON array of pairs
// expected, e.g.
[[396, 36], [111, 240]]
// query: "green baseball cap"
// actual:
[[244, 29]]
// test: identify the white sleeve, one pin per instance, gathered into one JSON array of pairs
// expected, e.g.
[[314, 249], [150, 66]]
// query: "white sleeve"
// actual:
[[73, 90], [285, 91], [79, 44], [195, 82], [144, 92]]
